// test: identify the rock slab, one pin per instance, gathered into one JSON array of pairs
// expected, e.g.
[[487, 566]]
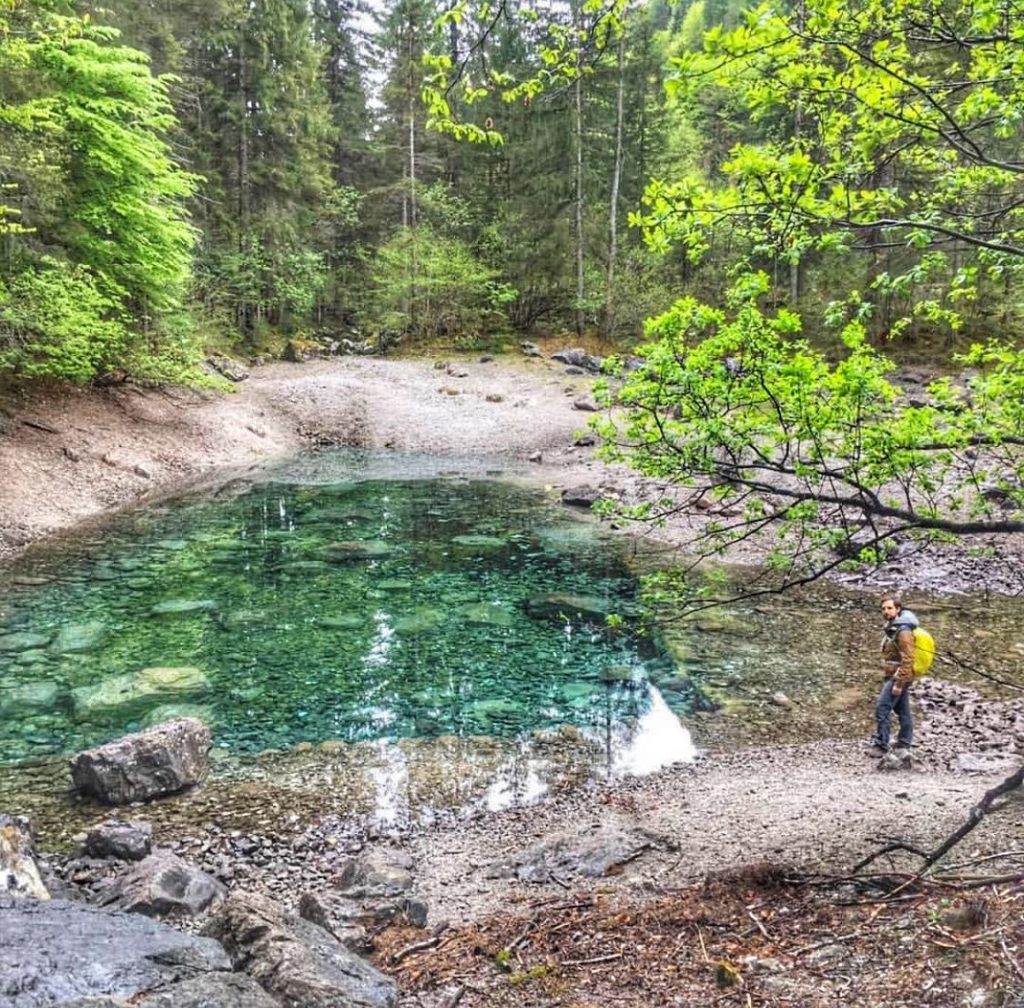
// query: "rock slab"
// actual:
[[162, 884], [57, 951], [162, 760], [298, 963]]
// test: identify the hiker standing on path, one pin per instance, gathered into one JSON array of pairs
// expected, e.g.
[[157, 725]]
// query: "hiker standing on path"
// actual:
[[898, 665]]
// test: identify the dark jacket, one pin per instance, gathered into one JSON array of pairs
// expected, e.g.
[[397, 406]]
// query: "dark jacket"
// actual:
[[898, 649]]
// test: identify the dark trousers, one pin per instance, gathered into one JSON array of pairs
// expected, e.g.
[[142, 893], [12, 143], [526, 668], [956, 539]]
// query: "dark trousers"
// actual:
[[888, 705]]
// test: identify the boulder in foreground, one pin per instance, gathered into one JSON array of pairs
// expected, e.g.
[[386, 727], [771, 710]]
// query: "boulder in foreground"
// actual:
[[159, 761], [56, 951], [298, 963]]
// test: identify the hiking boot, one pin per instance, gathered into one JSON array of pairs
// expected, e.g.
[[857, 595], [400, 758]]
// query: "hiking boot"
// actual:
[[877, 748]]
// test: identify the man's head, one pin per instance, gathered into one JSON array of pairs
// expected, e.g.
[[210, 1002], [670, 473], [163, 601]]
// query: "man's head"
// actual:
[[891, 607]]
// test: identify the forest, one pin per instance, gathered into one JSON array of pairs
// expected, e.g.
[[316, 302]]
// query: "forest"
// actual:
[[180, 177]]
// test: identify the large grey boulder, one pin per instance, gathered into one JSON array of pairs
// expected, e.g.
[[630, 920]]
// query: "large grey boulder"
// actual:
[[162, 884], [578, 357], [380, 872], [159, 761], [298, 963], [350, 919], [56, 951], [19, 875]]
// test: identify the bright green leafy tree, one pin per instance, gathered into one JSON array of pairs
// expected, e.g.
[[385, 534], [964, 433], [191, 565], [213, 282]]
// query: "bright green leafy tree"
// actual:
[[890, 133], [94, 269], [827, 461]]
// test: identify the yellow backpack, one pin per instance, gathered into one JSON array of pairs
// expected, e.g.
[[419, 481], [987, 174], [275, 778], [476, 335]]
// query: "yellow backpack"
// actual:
[[924, 651]]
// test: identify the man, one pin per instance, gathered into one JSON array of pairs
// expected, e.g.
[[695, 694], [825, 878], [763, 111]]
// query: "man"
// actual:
[[898, 666]]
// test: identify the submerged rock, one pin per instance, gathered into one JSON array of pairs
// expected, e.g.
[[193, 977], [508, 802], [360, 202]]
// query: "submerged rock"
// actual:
[[159, 761], [297, 962], [183, 607], [24, 640], [423, 620], [37, 696], [78, 638], [486, 614], [19, 874], [56, 952], [174, 712], [346, 621], [362, 549], [567, 606], [477, 544], [120, 696]]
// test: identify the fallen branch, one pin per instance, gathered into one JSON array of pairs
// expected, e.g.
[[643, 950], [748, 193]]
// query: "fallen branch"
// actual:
[[420, 946], [1011, 960], [36, 425], [895, 845], [1014, 781], [974, 817], [456, 997]]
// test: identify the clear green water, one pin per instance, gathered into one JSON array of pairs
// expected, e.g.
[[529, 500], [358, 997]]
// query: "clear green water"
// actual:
[[353, 609]]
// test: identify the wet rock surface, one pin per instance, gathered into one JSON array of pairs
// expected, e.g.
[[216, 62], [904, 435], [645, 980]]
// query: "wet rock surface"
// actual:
[[56, 951], [162, 760], [588, 853], [124, 841]]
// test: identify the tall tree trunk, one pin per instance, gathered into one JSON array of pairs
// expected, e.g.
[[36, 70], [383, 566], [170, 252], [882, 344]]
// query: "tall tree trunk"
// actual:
[[243, 137], [244, 311], [414, 258], [578, 91], [794, 266], [608, 321]]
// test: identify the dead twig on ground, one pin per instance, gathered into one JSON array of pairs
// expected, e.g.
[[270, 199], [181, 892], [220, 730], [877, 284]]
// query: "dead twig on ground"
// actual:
[[974, 817], [420, 946]]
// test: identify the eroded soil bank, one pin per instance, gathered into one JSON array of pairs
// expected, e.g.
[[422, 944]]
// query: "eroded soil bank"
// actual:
[[67, 457]]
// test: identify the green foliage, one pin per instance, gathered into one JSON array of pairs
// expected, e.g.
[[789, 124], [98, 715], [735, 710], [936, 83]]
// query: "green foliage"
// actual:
[[565, 51], [735, 407], [430, 286], [880, 127], [56, 322], [99, 254]]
